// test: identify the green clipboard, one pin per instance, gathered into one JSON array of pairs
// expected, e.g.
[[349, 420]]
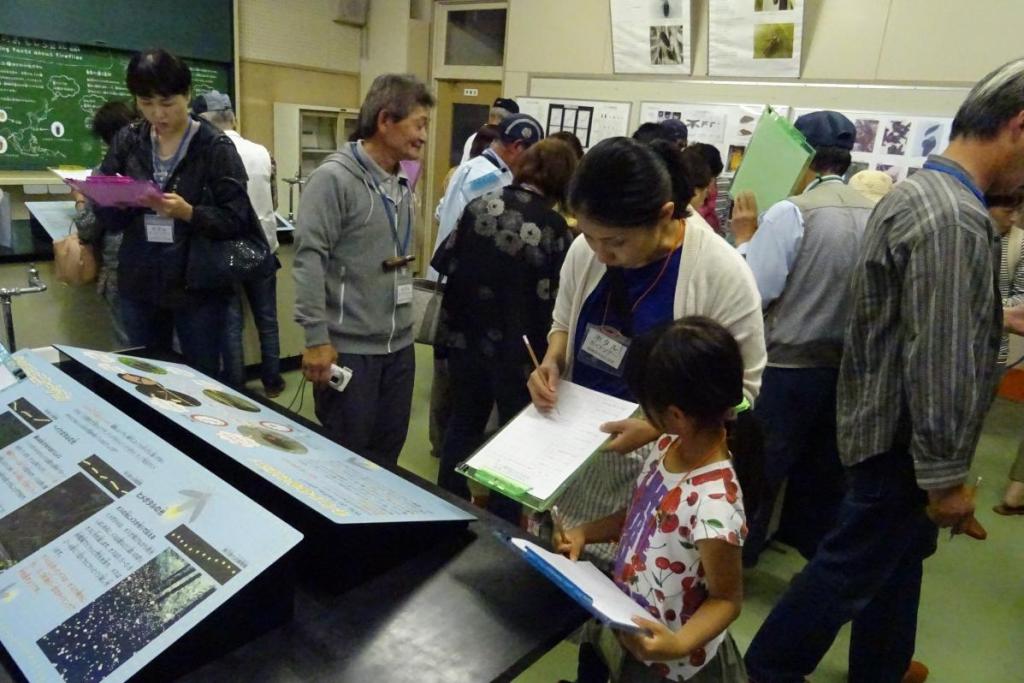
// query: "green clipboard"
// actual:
[[775, 159]]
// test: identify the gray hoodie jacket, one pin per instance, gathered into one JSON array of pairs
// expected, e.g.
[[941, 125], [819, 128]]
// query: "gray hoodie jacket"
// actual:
[[343, 295]]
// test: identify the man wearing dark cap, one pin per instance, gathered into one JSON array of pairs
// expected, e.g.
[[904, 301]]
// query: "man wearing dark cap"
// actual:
[[675, 131], [486, 173], [802, 253], [501, 108]]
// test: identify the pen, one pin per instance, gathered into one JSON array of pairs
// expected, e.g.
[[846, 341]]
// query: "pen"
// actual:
[[533, 356]]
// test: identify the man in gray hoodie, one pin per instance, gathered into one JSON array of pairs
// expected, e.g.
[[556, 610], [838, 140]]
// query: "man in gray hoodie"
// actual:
[[353, 280]]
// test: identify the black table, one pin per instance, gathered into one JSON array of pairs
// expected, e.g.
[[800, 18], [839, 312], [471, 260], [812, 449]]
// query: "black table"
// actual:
[[466, 609]]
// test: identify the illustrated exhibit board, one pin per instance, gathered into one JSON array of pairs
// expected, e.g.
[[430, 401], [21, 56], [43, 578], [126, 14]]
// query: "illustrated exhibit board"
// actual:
[[339, 485], [113, 544], [651, 36], [728, 127], [590, 121], [755, 37], [894, 143], [49, 92]]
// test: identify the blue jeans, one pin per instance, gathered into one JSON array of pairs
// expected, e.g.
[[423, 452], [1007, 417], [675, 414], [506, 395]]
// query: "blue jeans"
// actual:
[[797, 412], [262, 296], [199, 325], [868, 571]]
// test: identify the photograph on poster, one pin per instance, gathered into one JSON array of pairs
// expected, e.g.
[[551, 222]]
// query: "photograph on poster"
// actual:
[[47, 516], [867, 131], [894, 172], [773, 41], [929, 136], [666, 115], [774, 5], [141, 365], [272, 439], [209, 559], [231, 400], [666, 9], [735, 157], [35, 418], [150, 388], [106, 476], [668, 45], [11, 429], [109, 630], [896, 136]]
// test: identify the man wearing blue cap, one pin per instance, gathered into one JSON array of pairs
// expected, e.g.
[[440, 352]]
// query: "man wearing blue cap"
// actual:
[[488, 172], [501, 108], [802, 252]]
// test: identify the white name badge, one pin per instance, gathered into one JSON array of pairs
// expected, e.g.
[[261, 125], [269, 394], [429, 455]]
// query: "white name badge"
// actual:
[[404, 294], [601, 345], [159, 229]]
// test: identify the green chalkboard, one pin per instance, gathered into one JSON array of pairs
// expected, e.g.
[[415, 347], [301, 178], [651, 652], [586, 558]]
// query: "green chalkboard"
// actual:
[[49, 91]]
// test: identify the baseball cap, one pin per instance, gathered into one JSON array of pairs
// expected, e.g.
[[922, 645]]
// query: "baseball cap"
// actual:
[[676, 129], [520, 128], [508, 105], [211, 101], [827, 129]]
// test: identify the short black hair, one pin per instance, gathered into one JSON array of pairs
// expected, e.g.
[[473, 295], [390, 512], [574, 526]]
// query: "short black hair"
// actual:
[[711, 155], [695, 168], [993, 101], [649, 132], [833, 160], [111, 117], [158, 73], [693, 364]]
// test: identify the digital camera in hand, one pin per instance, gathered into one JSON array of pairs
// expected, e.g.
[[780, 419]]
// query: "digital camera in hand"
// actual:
[[340, 377]]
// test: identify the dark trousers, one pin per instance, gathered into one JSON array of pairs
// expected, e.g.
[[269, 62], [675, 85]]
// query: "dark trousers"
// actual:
[[868, 570], [371, 417], [797, 412], [262, 296], [477, 385], [200, 326]]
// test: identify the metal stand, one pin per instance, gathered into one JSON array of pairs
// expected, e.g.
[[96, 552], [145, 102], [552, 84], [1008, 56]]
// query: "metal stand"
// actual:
[[35, 284], [292, 182]]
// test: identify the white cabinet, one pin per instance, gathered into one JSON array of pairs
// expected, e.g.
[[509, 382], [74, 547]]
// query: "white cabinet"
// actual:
[[303, 136]]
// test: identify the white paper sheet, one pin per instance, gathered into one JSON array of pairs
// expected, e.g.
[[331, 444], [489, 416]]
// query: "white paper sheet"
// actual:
[[755, 37], [540, 451], [651, 36], [73, 174], [606, 597], [590, 121]]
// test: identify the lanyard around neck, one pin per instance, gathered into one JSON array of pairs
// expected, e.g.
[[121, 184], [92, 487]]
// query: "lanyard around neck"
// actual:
[[821, 180], [390, 206], [178, 153], [654, 283], [965, 179]]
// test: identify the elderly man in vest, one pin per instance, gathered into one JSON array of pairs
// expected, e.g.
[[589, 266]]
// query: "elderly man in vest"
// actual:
[[802, 252]]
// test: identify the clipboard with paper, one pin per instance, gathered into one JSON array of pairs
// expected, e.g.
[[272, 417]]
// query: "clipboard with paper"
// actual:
[[584, 583], [775, 159], [535, 456]]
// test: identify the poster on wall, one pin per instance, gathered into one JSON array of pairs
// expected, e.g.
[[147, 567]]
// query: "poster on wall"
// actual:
[[113, 544], [335, 482], [755, 38], [728, 127], [897, 144], [651, 36], [590, 121]]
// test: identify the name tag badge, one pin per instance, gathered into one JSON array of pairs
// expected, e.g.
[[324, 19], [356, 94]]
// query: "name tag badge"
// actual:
[[604, 348], [403, 290], [159, 229]]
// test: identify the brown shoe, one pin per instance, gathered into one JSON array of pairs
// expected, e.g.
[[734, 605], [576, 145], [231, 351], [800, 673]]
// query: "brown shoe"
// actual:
[[1008, 510], [916, 673]]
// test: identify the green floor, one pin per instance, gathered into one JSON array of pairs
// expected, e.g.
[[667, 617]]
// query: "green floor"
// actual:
[[971, 626]]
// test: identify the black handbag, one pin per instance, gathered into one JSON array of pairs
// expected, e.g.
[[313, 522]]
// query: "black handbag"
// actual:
[[221, 263]]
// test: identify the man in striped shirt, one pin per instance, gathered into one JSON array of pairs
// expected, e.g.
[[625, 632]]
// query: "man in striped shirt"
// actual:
[[917, 376]]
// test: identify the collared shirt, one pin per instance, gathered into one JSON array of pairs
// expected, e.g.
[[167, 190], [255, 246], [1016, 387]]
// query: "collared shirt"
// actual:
[[260, 170], [773, 249], [475, 178], [919, 363], [1011, 284]]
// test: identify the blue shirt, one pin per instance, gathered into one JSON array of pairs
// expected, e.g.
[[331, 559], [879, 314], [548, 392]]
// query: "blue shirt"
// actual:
[[773, 249], [655, 309]]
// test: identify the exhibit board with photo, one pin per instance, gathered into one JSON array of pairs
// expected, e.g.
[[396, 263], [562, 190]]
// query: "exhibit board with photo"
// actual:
[[897, 144], [343, 487], [651, 36], [755, 38], [113, 544], [726, 126], [589, 120]]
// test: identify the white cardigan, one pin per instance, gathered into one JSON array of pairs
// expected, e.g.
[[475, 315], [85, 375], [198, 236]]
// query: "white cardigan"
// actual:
[[714, 281]]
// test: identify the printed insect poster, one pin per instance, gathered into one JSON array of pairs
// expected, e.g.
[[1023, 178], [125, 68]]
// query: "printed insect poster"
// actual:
[[651, 36], [755, 37]]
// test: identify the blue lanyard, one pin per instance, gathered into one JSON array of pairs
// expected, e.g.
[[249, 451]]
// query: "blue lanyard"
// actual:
[[961, 176], [176, 159], [387, 201]]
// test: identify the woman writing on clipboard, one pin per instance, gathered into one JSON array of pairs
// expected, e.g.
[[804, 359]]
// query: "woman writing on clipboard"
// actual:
[[203, 182], [643, 260]]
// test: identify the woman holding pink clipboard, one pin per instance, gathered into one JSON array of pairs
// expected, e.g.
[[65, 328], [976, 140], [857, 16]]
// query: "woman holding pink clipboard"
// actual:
[[199, 189]]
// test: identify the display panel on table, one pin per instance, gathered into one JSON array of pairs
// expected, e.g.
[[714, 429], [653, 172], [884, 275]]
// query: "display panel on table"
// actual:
[[337, 498], [119, 554]]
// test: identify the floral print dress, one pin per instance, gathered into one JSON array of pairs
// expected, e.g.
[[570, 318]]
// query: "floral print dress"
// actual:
[[658, 564]]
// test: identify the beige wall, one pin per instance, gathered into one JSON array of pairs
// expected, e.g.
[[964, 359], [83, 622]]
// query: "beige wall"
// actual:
[[298, 32]]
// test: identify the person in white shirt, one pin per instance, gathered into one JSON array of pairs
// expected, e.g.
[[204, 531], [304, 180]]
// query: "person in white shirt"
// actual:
[[501, 108], [216, 108], [486, 173]]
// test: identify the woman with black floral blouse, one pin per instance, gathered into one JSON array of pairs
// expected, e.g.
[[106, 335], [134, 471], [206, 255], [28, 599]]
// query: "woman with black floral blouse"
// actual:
[[502, 264]]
